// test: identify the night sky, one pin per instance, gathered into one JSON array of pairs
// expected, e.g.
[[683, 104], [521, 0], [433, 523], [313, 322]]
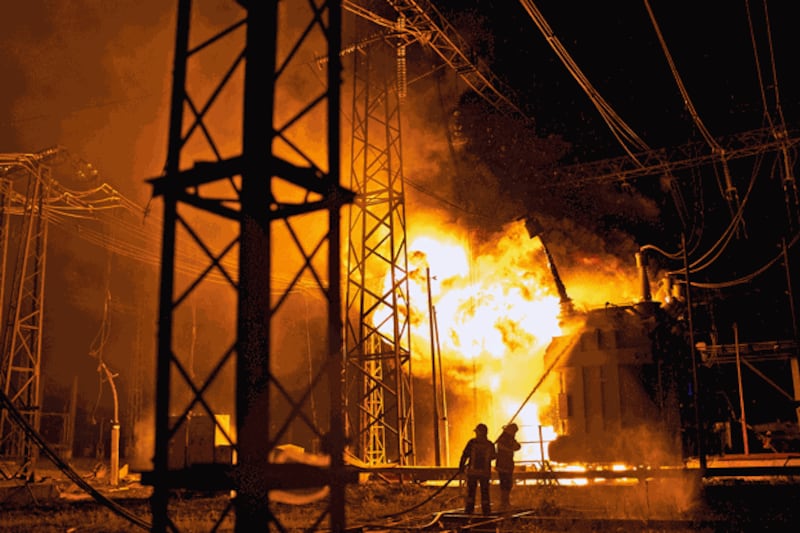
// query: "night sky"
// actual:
[[617, 49]]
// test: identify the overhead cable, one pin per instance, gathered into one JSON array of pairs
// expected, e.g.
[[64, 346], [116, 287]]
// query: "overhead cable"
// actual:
[[715, 250], [761, 89], [624, 134], [773, 68], [779, 131], [81, 211], [731, 193], [747, 278], [679, 82]]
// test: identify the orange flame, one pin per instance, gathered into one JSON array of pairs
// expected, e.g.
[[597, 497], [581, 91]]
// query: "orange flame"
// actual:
[[495, 314], [496, 310]]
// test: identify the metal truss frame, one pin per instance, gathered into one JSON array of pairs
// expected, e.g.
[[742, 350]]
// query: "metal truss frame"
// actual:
[[659, 162], [22, 331], [421, 18], [379, 392], [274, 202]]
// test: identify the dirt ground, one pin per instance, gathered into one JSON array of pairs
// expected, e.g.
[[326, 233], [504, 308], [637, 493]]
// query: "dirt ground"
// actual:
[[56, 503]]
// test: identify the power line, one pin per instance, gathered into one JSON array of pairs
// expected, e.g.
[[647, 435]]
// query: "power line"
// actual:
[[624, 134], [105, 217]]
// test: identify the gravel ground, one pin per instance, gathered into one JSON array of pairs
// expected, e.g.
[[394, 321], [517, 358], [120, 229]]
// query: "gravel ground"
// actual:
[[656, 505]]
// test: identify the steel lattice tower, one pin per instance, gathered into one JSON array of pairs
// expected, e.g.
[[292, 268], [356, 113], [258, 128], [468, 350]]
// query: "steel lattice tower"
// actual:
[[378, 372], [252, 200], [22, 331]]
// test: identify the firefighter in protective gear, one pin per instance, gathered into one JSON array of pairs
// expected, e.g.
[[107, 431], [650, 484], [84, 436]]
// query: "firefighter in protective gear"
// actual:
[[476, 461], [506, 446]]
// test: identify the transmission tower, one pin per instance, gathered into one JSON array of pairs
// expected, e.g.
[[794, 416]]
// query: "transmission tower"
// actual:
[[269, 193], [22, 330], [6, 192], [379, 393]]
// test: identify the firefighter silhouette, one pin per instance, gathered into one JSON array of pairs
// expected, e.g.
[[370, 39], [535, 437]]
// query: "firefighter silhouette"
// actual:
[[506, 446], [476, 462]]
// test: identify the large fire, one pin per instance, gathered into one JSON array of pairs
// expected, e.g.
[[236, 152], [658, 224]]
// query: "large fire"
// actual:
[[496, 308], [495, 311]]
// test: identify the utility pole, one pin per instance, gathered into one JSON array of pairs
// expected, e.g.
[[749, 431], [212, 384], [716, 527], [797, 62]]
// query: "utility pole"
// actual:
[[697, 405], [443, 389], [436, 447]]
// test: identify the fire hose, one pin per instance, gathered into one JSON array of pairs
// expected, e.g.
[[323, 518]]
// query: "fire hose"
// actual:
[[426, 500]]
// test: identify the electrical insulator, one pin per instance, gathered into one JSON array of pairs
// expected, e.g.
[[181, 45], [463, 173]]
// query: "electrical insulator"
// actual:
[[643, 278], [402, 74]]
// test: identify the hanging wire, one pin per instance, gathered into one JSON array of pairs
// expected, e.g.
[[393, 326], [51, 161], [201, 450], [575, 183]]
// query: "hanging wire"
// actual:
[[624, 134], [730, 192], [761, 88], [681, 87], [773, 67], [749, 277], [719, 246], [716, 250], [88, 213], [98, 344], [791, 197]]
